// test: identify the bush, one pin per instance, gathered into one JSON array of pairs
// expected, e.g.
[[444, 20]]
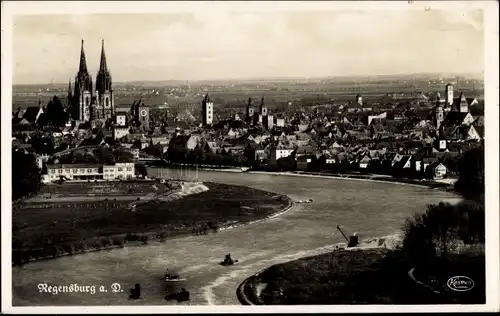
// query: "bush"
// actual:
[[69, 248], [106, 242], [131, 237], [144, 239], [162, 236], [97, 244], [118, 241], [442, 228]]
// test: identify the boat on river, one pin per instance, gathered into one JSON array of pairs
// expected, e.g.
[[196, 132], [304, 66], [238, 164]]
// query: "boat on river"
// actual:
[[304, 201], [228, 261], [172, 277]]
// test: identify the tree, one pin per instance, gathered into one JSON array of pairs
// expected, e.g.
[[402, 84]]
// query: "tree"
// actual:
[[25, 174], [105, 155], [123, 155], [140, 169], [441, 227], [471, 174]]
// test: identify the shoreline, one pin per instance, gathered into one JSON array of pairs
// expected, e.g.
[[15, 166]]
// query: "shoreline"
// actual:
[[380, 178], [155, 240], [248, 293]]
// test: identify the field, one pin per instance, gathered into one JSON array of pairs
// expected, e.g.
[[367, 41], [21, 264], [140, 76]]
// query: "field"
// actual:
[[101, 190], [235, 94], [376, 276], [47, 229]]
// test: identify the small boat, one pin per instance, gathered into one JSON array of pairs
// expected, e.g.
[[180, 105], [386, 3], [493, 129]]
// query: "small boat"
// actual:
[[305, 201], [172, 278], [228, 261]]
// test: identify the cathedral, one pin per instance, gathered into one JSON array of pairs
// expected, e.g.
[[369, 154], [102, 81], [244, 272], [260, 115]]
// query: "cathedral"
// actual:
[[87, 104]]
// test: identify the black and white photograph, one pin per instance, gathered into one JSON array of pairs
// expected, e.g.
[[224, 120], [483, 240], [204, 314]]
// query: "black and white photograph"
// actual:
[[257, 156]]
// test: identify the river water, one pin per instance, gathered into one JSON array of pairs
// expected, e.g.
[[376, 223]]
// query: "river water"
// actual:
[[371, 209]]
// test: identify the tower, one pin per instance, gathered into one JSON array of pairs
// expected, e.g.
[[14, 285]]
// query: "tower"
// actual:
[[250, 110], [142, 115], [207, 110], [263, 107], [439, 115], [82, 95], [449, 96], [463, 104], [104, 90], [69, 98], [359, 99]]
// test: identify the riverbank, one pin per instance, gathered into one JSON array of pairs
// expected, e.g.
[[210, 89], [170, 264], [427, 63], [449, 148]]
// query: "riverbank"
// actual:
[[369, 276], [443, 184], [433, 184], [62, 232]]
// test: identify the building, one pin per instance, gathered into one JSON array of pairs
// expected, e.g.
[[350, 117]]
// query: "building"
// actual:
[[121, 119], [279, 152], [85, 172], [103, 85], [207, 110], [439, 113], [120, 131], [141, 115], [124, 170], [280, 122], [250, 113], [74, 172], [84, 104], [263, 108], [449, 97]]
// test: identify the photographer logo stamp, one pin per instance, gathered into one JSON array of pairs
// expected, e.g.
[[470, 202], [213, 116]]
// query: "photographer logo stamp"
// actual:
[[460, 283]]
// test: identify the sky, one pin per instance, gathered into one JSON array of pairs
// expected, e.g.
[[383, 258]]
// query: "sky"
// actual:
[[232, 45]]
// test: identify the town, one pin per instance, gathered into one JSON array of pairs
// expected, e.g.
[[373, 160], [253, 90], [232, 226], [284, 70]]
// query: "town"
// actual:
[[85, 136], [225, 158]]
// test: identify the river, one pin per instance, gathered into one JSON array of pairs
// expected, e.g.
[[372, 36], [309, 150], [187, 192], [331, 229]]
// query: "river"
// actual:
[[371, 209]]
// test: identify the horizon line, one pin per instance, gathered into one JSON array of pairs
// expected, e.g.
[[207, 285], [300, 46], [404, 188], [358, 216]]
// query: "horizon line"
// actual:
[[444, 74]]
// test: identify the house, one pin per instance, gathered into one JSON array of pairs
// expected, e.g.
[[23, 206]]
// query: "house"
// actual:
[[403, 165], [377, 130], [457, 119], [428, 161], [479, 121], [192, 142], [255, 152], [364, 162], [120, 131], [280, 122], [90, 171], [416, 163], [437, 170], [302, 162], [279, 151], [469, 132], [33, 114], [354, 107]]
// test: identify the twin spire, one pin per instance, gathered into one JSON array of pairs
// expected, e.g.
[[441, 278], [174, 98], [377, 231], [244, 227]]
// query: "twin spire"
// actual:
[[83, 61]]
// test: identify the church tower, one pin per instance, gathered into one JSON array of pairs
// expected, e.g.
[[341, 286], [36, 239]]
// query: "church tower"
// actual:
[[263, 107], [69, 98], [82, 96], [463, 104], [439, 115], [250, 110], [104, 89], [359, 99], [449, 96], [207, 110]]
